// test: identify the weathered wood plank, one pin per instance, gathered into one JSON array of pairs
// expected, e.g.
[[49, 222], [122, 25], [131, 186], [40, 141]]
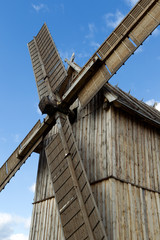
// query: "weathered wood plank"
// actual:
[[69, 195], [44, 56]]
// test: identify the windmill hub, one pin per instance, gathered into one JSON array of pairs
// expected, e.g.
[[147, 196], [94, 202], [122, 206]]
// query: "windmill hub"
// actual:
[[48, 106]]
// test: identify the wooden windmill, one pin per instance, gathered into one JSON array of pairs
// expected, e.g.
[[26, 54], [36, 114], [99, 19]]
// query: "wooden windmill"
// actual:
[[98, 176]]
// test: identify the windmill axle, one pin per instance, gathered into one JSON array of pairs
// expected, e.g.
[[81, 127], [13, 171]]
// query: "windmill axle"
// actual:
[[48, 106], [51, 106]]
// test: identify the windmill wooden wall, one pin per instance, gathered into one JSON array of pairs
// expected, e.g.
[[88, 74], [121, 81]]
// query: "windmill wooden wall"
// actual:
[[121, 156], [45, 222]]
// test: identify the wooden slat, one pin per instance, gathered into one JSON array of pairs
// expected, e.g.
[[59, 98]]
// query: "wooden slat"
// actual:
[[120, 55], [46, 47], [44, 56], [39, 71], [94, 85], [78, 212], [144, 28], [135, 16]]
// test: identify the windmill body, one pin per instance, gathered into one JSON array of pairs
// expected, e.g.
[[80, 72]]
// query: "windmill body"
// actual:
[[119, 146], [98, 175]]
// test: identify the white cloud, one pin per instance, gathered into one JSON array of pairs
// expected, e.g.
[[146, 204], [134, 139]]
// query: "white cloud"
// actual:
[[154, 103], [83, 55], [156, 32], [8, 223], [112, 20], [5, 218], [21, 220], [62, 7], [17, 237], [36, 107], [4, 140], [66, 54], [39, 7], [150, 102], [131, 3], [16, 138], [95, 45], [39, 111], [158, 106], [92, 30], [139, 49], [32, 188]]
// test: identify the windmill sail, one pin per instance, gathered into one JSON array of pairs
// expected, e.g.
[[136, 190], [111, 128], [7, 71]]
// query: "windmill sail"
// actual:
[[48, 68], [78, 211], [14, 162], [24, 150], [115, 50]]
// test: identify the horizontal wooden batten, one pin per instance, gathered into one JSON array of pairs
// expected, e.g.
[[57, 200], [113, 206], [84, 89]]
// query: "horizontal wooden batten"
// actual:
[[123, 181]]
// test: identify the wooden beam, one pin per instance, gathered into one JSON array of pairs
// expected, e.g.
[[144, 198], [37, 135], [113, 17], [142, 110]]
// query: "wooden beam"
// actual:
[[73, 65], [84, 75], [24, 150]]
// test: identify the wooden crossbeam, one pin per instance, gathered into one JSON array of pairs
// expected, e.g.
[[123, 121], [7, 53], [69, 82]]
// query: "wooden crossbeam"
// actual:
[[24, 150]]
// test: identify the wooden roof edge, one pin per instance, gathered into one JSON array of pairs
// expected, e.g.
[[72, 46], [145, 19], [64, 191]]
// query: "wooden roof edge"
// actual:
[[126, 101]]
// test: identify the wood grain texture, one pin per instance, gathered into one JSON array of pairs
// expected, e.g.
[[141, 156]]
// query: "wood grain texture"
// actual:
[[121, 156], [78, 211], [47, 64], [45, 223], [116, 143], [128, 212]]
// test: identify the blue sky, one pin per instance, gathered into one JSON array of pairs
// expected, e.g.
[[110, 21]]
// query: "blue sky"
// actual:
[[76, 26]]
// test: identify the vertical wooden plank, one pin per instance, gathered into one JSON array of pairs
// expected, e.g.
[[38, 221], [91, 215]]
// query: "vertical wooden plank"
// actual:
[[108, 210], [91, 140], [132, 197], [109, 146], [143, 216], [155, 165], [113, 153], [149, 215], [111, 208], [122, 205], [128, 209]]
